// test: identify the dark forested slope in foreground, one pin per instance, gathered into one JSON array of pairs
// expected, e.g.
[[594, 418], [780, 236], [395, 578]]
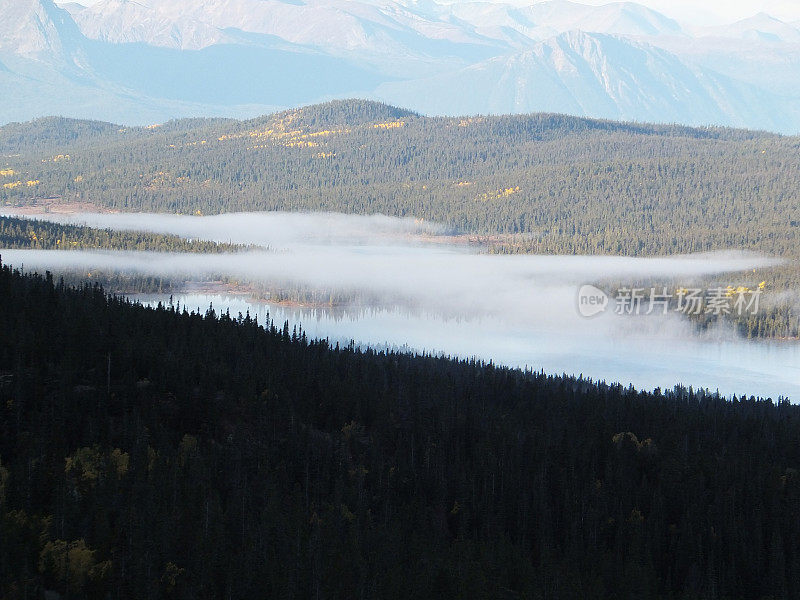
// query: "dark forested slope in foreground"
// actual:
[[220, 459], [565, 184]]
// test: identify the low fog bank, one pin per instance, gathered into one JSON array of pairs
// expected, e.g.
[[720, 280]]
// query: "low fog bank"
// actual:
[[273, 229], [379, 257], [530, 291], [520, 310]]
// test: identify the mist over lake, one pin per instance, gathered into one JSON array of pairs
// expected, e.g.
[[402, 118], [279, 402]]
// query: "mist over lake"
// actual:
[[429, 293]]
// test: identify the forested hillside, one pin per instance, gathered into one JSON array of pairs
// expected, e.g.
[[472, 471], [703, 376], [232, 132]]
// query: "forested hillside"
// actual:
[[151, 453], [41, 235], [562, 184]]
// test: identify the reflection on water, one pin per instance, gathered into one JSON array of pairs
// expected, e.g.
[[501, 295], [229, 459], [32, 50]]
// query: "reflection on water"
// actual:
[[731, 366]]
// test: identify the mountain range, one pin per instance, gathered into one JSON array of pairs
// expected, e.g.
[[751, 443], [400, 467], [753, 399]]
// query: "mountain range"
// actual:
[[139, 62]]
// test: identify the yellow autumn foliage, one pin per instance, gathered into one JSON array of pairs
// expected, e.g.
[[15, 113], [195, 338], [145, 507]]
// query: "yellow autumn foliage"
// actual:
[[326, 132], [72, 564], [301, 144], [502, 193], [389, 125]]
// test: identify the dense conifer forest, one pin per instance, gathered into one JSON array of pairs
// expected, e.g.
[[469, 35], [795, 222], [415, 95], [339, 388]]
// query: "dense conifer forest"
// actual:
[[41, 235], [154, 453]]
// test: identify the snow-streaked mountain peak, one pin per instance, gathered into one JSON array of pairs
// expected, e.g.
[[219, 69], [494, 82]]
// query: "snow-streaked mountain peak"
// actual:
[[38, 29], [617, 60]]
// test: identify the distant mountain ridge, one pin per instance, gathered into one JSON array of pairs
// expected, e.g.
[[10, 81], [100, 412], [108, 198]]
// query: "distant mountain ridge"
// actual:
[[146, 61], [593, 74]]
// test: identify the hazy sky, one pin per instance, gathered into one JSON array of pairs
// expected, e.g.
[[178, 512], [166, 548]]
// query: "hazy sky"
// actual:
[[704, 12]]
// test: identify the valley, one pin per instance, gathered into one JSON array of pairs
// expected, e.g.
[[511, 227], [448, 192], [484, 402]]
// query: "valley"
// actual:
[[377, 299], [513, 185], [409, 285]]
